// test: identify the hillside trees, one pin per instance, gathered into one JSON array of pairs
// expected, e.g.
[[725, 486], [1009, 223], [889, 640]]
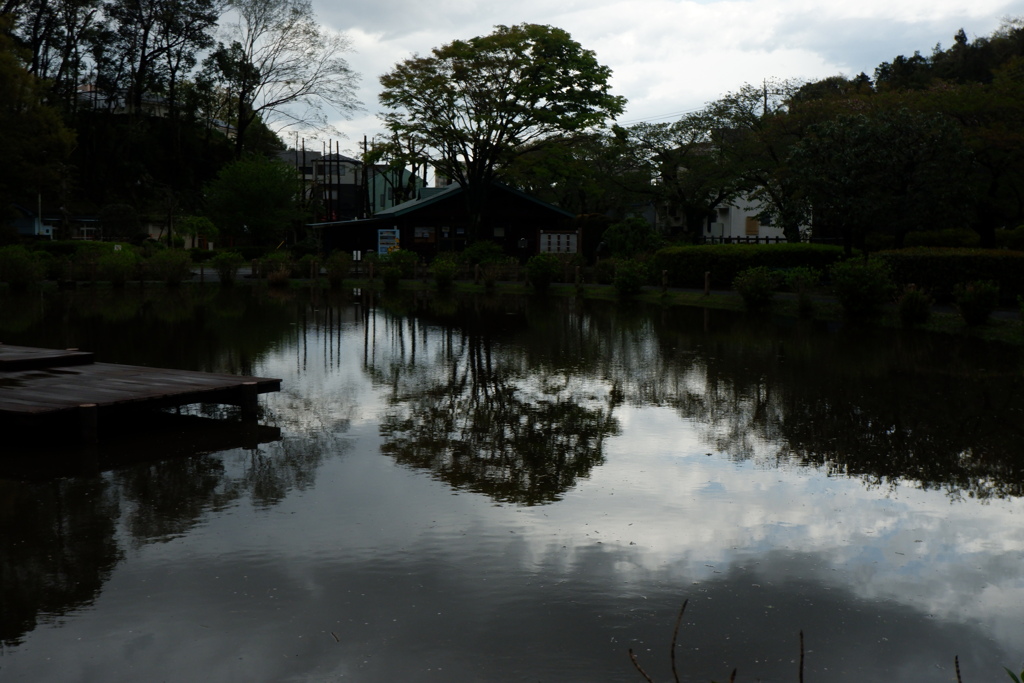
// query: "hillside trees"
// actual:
[[479, 103]]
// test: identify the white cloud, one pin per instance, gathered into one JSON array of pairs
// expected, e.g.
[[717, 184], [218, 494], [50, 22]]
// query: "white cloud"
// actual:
[[669, 56]]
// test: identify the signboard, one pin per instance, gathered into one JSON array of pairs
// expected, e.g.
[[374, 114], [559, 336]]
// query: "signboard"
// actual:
[[387, 240], [558, 242]]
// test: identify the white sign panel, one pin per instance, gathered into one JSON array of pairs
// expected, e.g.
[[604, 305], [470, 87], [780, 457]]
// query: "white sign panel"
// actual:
[[386, 239]]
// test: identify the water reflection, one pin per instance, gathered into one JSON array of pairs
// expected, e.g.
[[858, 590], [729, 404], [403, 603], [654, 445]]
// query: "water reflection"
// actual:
[[510, 489], [57, 549], [514, 399]]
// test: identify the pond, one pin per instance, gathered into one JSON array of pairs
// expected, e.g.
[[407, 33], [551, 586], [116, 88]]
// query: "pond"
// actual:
[[518, 489]]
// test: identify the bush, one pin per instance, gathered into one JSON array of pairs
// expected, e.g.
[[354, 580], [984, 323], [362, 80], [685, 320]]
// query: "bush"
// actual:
[[20, 268], [542, 270], [756, 286], [444, 269], [118, 266], [630, 277], [951, 237], [171, 266], [338, 265], [976, 300], [631, 237], [686, 265], [1011, 239], [227, 263], [305, 266], [482, 252], [276, 267], [940, 270], [604, 271], [862, 288], [802, 281], [914, 306], [403, 260]]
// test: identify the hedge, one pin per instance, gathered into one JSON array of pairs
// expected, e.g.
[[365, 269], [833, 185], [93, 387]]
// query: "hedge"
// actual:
[[938, 270], [686, 265]]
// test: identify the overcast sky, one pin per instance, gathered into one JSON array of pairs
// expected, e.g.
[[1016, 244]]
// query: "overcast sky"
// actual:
[[667, 56]]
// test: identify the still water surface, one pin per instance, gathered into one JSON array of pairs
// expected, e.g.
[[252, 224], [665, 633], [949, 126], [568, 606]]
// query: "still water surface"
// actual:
[[507, 489]]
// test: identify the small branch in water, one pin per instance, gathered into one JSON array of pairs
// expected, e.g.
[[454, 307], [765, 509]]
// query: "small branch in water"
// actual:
[[956, 665], [675, 637], [336, 638], [801, 656], [638, 667]]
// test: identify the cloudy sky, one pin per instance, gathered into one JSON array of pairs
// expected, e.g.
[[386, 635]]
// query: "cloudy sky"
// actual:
[[667, 56]]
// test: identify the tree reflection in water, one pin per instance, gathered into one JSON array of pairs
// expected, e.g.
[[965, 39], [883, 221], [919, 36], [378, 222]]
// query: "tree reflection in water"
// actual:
[[482, 418], [508, 403]]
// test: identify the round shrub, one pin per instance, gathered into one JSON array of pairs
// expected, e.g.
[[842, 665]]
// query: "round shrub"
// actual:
[[171, 266], [542, 270], [802, 281], [756, 286], [20, 268], [227, 263], [404, 260], [444, 269], [862, 287], [976, 300], [914, 306], [631, 237], [118, 266], [276, 267], [630, 277], [479, 253], [338, 265]]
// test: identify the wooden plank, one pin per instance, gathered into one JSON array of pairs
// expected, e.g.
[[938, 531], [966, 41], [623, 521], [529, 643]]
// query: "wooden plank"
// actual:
[[39, 389], [13, 358]]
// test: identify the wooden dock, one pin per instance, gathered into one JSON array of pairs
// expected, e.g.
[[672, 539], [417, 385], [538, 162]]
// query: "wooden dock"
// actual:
[[65, 393]]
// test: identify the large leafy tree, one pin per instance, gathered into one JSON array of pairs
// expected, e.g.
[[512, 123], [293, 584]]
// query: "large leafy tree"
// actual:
[[895, 170], [253, 200], [478, 103], [689, 174]]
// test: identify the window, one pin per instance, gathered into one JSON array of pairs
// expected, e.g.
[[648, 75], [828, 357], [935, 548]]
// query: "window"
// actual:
[[753, 226]]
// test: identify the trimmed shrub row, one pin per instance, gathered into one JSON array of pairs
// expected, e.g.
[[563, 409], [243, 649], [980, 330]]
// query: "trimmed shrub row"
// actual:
[[938, 271], [686, 265]]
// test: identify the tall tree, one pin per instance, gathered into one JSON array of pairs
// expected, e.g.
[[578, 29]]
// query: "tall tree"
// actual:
[[33, 140], [478, 103], [758, 132], [893, 170], [689, 175], [282, 67], [154, 41], [253, 200]]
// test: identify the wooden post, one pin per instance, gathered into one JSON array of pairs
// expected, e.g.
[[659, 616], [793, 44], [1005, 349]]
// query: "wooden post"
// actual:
[[476, 274], [202, 273], [707, 283], [255, 268], [664, 282], [249, 403], [88, 423]]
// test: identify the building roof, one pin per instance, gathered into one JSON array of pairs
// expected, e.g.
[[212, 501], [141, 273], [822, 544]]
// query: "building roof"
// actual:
[[432, 195]]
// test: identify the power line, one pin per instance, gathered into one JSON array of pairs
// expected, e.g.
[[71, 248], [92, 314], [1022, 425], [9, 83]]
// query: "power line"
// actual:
[[661, 117]]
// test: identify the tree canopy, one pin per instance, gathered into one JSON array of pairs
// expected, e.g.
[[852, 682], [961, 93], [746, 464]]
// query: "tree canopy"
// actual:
[[475, 104], [252, 200]]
